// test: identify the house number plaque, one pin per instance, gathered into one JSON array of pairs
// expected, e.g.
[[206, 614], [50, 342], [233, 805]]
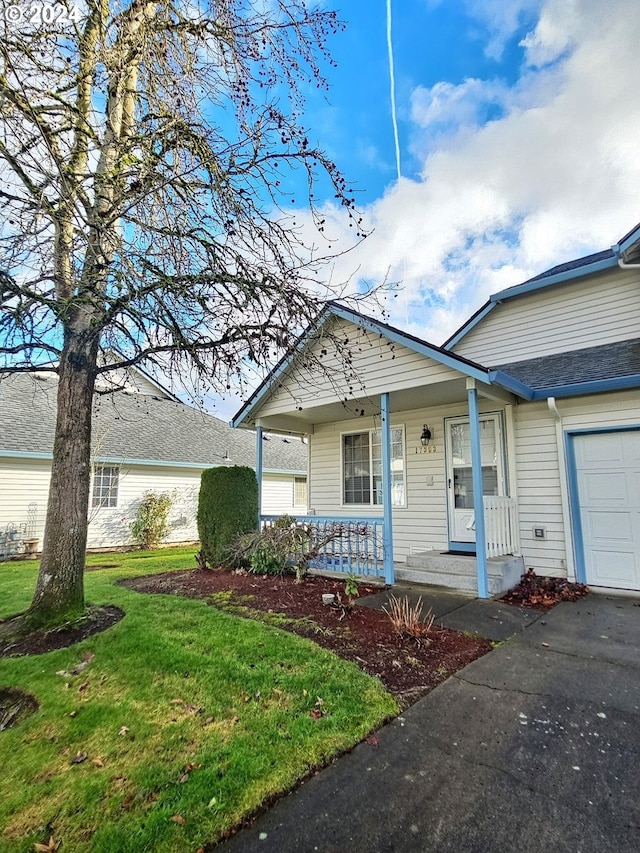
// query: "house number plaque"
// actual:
[[431, 448]]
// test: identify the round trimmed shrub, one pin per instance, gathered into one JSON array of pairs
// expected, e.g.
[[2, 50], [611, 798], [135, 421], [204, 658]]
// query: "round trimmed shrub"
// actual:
[[227, 507]]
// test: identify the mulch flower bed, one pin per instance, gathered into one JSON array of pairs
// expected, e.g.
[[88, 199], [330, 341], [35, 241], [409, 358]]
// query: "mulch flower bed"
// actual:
[[408, 667]]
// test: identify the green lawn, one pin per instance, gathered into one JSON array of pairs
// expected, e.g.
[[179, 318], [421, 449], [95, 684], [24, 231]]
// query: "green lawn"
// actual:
[[190, 718]]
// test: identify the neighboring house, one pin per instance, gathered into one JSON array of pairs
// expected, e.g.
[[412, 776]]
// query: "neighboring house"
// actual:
[[143, 439], [534, 402]]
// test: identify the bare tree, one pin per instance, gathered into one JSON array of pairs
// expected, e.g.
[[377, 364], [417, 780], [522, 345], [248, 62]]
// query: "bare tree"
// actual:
[[147, 154]]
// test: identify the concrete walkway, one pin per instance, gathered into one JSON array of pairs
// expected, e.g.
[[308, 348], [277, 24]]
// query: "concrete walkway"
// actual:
[[534, 747]]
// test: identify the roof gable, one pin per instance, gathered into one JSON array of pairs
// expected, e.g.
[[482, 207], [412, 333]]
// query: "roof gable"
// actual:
[[627, 250], [365, 330]]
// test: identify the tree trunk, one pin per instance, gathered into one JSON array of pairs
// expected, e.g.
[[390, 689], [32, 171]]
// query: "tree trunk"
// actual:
[[59, 592]]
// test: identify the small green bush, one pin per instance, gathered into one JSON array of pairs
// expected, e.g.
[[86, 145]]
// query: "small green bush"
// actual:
[[271, 550], [227, 507], [268, 560], [151, 524]]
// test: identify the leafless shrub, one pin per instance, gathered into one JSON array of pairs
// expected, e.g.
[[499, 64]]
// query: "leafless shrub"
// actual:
[[286, 545], [407, 618]]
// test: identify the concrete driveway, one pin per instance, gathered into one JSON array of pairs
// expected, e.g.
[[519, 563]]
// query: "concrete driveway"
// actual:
[[534, 747]]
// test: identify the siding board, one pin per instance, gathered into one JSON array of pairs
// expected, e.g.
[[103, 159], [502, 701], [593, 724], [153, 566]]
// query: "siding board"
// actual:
[[26, 481], [601, 309], [372, 362]]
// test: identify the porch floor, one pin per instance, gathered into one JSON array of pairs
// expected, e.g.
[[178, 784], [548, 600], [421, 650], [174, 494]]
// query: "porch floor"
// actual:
[[450, 574]]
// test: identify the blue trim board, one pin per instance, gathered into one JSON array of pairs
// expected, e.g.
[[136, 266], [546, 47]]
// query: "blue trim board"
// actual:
[[387, 527], [550, 280], [574, 508], [28, 454], [259, 471], [604, 429], [537, 283], [357, 519], [596, 386], [476, 473], [157, 463], [262, 390], [574, 497], [510, 384], [456, 362], [627, 241], [471, 323], [573, 389]]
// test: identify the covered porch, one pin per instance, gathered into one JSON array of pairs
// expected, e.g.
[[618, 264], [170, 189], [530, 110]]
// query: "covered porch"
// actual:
[[359, 548], [364, 544], [411, 456]]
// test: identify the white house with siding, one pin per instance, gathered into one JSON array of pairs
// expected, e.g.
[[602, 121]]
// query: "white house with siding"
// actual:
[[144, 439], [534, 403]]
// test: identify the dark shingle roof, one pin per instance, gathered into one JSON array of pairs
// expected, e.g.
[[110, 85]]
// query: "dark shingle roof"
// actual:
[[134, 426], [586, 261], [607, 361]]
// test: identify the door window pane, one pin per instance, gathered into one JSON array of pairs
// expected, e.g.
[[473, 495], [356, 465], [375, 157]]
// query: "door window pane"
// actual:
[[461, 461]]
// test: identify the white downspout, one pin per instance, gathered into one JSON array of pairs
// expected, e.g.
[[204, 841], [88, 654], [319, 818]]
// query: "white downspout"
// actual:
[[564, 490]]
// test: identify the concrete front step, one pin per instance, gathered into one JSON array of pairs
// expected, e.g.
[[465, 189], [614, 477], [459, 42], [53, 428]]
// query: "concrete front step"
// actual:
[[459, 572]]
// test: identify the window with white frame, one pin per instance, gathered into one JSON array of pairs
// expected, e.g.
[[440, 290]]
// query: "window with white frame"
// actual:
[[362, 467], [105, 486]]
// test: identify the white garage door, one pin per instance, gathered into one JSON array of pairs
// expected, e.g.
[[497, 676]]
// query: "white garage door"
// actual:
[[608, 477]]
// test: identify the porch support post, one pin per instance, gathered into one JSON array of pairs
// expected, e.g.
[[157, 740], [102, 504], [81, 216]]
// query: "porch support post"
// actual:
[[387, 525], [478, 501], [259, 472]]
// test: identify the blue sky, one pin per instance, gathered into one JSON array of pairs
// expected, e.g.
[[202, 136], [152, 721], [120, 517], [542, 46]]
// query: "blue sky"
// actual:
[[519, 131], [432, 42]]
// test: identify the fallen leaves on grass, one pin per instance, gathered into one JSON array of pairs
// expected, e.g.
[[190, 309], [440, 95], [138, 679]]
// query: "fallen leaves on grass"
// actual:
[[318, 710], [78, 668], [51, 847], [407, 668]]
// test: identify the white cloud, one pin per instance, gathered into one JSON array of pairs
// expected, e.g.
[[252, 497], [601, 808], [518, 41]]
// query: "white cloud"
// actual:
[[449, 107], [554, 175], [502, 18]]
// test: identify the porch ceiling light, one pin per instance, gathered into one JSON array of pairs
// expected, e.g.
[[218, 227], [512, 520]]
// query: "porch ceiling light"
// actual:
[[425, 438]]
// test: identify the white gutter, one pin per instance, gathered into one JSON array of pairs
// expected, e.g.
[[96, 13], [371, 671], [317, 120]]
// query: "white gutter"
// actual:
[[623, 264], [564, 489]]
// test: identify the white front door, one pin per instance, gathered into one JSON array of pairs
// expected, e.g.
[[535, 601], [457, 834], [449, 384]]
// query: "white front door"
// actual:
[[459, 471], [608, 481]]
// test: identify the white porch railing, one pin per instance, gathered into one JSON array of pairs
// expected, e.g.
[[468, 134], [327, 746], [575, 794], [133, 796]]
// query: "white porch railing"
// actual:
[[501, 526], [356, 544]]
